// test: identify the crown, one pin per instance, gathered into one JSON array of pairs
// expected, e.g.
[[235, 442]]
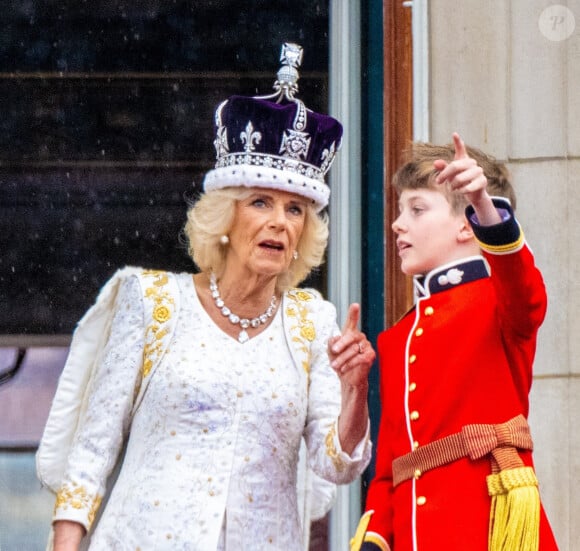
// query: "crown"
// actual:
[[274, 141]]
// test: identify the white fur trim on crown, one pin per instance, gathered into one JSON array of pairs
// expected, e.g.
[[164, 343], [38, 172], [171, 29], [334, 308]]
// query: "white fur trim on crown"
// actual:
[[267, 177]]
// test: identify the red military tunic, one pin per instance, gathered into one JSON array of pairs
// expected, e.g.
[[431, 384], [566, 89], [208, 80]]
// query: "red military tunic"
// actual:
[[463, 355]]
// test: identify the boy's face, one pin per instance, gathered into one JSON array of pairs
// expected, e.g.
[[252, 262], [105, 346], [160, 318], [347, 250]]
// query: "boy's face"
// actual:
[[428, 232]]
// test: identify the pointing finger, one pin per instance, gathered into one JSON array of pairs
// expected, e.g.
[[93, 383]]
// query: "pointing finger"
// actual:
[[352, 318], [460, 149]]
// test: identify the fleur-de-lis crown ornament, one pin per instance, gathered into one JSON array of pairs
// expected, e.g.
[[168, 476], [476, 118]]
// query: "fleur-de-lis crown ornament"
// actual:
[[274, 141]]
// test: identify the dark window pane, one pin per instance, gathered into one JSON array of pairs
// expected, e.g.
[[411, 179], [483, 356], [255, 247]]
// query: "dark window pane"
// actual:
[[158, 35], [106, 130]]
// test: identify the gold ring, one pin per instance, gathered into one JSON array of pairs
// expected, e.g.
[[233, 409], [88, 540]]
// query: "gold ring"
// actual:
[[360, 348]]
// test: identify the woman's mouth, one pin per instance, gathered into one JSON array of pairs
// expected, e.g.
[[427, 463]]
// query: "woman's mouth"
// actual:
[[272, 245]]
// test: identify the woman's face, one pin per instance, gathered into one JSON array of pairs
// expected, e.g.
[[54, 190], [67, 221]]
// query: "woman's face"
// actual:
[[266, 230]]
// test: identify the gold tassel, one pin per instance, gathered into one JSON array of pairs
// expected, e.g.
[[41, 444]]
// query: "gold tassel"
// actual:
[[515, 510]]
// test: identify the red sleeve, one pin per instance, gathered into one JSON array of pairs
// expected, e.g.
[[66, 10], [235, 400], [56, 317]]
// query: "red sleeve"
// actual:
[[518, 282], [520, 291]]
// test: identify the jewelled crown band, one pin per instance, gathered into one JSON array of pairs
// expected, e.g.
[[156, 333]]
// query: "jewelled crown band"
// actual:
[[275, 141]]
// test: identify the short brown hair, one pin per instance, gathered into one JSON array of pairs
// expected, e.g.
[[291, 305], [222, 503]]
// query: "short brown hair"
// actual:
[[418, 172]]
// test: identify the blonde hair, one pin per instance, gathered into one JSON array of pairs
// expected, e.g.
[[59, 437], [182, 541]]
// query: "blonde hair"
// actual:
[[418, 172], [213, 216]]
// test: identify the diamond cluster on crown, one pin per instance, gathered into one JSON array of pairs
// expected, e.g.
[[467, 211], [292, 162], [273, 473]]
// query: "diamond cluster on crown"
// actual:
[[294, 147]]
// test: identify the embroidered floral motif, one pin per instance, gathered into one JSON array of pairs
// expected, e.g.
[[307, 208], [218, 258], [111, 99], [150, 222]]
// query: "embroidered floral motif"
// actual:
[[162, 312], [78, 498], [303, 332], [331, 449], [301, 295]]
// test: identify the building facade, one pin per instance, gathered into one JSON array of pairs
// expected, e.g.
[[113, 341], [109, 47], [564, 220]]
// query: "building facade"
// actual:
[[107, 110]]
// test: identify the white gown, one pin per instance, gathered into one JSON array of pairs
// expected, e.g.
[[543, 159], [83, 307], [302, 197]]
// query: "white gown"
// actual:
[[213, 448]]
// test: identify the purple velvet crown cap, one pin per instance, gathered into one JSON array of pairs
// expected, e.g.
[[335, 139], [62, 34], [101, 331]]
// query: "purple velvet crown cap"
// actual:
[[277, 144]]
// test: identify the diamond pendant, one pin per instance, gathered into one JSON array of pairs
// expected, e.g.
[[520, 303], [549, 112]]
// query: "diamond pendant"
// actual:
[[244, 323]]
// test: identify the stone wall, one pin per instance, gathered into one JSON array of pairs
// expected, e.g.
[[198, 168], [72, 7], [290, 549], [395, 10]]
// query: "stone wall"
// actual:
[[506, 75]]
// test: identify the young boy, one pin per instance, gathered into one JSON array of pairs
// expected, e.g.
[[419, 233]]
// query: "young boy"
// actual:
[[454, 467]]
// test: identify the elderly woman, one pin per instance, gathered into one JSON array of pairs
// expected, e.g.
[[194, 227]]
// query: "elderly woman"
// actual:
[[207, 383]]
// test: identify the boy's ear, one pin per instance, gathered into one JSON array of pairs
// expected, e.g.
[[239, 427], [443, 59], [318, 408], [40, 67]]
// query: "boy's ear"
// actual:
[[465, 233]]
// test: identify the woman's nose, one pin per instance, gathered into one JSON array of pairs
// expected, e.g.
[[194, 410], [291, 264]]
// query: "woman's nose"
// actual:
[[278, 217]]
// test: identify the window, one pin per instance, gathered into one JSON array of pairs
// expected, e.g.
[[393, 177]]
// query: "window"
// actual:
[[107, 130]]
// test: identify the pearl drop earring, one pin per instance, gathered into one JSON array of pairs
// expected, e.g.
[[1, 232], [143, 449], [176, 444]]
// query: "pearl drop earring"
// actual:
[[224, 239], [295, 255]]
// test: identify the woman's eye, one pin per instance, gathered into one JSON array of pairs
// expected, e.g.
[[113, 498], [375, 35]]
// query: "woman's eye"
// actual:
[[259, 202], [296, 209]]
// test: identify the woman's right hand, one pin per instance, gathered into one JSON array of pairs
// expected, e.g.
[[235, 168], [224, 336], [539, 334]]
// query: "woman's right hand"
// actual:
[[67, 535]]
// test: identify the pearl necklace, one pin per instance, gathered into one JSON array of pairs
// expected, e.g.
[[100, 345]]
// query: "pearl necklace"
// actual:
[[244, 323]]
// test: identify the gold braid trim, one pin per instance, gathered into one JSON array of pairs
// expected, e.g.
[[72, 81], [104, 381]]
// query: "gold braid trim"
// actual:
[[503, 249]]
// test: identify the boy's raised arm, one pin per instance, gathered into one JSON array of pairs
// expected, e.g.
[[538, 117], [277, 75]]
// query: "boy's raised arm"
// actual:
[[464, 175]]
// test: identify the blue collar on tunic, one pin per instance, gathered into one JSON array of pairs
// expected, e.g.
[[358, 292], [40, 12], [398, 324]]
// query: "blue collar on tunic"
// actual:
[[451, 275]]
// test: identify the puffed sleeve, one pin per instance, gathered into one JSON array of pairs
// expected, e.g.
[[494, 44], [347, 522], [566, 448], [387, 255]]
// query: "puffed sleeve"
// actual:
[[326, 456], [105, 422]]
